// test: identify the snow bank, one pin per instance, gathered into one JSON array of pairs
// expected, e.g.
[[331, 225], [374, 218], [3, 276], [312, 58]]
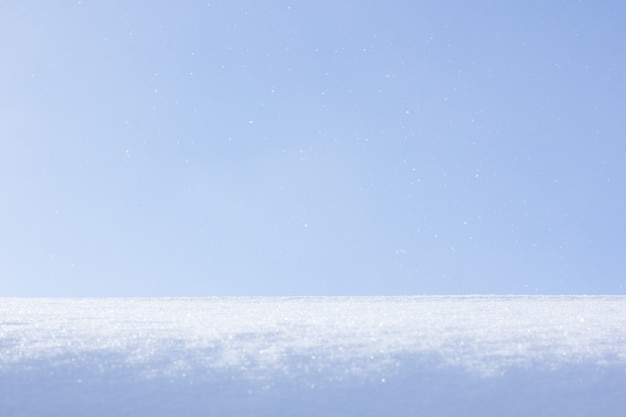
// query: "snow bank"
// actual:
[[312, 356]]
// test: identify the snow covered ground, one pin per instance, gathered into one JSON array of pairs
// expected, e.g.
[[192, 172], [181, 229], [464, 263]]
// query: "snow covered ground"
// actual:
[[314, 356]]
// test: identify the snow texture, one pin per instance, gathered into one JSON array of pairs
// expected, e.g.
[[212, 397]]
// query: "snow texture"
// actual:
[[312, 356]]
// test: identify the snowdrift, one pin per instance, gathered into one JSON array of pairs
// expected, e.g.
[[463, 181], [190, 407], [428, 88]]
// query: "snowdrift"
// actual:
[[313, 356]]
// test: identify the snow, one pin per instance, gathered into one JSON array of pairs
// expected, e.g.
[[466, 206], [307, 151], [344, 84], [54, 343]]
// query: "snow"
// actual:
[[312, 356]]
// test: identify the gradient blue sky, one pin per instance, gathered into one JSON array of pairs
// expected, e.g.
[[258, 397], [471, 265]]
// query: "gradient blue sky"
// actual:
[[312, 148]]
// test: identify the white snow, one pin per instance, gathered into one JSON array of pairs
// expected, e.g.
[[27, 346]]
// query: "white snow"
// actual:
[[313, 356]]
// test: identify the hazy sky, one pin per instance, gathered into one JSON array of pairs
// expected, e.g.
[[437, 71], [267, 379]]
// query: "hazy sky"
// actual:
[[153, 148]]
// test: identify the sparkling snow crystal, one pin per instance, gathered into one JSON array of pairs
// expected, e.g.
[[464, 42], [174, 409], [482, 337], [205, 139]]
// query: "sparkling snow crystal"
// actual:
[[312, 356]]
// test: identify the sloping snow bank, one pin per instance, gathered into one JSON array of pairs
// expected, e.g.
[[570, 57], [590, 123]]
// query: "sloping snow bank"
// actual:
[[312, 356]]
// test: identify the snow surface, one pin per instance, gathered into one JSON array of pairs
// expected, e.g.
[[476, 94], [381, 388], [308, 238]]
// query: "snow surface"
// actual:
[[313, 356]]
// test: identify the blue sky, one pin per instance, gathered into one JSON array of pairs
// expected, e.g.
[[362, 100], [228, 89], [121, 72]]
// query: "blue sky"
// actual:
[[312, 148]]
